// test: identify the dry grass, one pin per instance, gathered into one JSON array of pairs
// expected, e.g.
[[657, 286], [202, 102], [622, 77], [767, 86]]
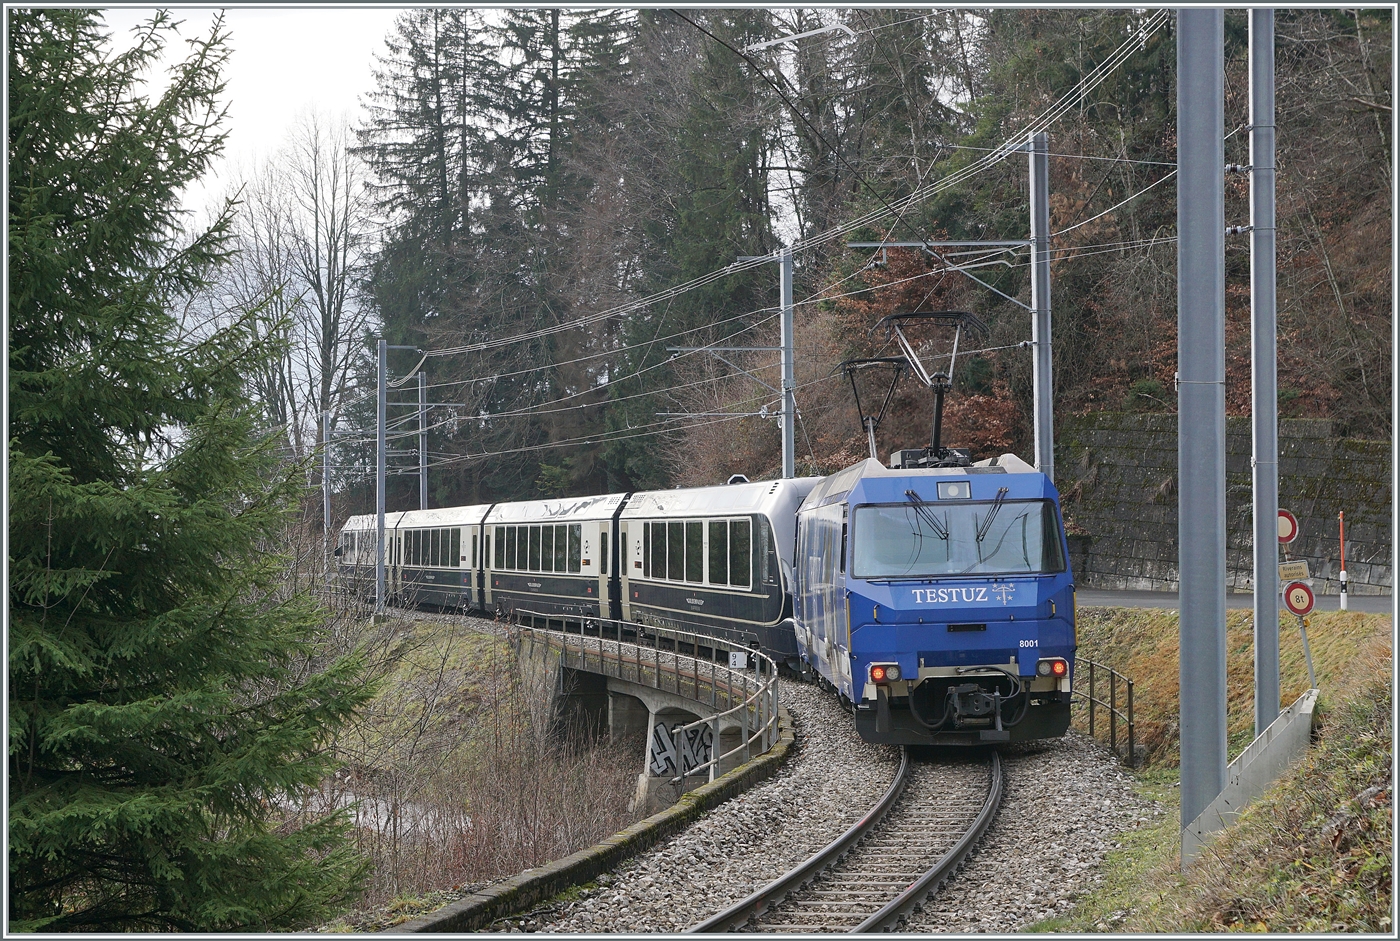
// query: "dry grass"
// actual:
[[459, 775], [1143, 645], [1314, 853]]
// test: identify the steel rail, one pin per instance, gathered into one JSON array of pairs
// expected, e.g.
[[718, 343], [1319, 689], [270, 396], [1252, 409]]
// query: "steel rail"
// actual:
[[896, 911], [774, 892]]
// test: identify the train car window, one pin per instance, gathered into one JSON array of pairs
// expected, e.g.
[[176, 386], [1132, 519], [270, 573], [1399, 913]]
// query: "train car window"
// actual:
[[740, 557], [675, 551], [1052, 558], [575, 547], [646, 550], [658, 550], [455, 560], [522, 548], [500, 547], [439, 557], [694, 551], [474, 539], [547, 549], [604, 554], [534, 548], [561, 549], [843, 542], [719, 552], [512, 545]]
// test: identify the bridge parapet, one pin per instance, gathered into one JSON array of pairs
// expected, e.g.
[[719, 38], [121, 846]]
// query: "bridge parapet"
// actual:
[[703, 716]]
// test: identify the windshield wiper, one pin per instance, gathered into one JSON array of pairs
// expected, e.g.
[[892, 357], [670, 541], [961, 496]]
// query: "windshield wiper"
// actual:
[[927, 516], [991, 514]]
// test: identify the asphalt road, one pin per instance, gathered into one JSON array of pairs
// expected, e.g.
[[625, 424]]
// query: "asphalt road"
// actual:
[[1085, 597]]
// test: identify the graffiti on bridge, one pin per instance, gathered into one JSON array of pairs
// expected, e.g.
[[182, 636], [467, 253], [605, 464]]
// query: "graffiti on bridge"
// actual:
[[676, 751]]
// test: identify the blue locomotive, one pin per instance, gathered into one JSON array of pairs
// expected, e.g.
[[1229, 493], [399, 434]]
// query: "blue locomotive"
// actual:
[[938, 601]]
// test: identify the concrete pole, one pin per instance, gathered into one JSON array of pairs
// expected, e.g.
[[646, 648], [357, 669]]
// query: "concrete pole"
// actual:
[[789, 402], [422, 441], [1200, 222], [1040, 302], [379, 474], [326, 493], [1264, 371]]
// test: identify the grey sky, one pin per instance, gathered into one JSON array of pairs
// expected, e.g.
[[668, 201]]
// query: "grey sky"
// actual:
[[285, 62]]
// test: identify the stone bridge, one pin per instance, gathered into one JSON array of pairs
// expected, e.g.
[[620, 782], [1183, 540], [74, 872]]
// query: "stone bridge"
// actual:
[[690, 717]]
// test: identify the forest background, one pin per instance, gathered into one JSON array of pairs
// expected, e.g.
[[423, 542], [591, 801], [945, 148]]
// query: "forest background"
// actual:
[[553, 200]]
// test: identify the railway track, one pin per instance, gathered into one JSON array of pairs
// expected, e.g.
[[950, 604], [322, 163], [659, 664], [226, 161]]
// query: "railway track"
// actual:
[[885, 865]]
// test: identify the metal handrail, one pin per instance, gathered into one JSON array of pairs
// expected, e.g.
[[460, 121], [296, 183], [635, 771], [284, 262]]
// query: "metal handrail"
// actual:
[[1114, 713], [760, 704]]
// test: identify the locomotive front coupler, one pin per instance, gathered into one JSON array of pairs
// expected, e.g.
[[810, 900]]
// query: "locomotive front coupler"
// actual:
[[969, 702]]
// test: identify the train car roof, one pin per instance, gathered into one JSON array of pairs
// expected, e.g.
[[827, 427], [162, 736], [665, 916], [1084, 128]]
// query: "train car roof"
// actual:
[[444, 516], [422, 519], [561, 510], [369, 521], [764, 496], [839, 484]]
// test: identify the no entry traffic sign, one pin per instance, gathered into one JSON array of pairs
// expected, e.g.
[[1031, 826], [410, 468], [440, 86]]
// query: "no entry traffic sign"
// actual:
[[1298, 598], [1287, 527]]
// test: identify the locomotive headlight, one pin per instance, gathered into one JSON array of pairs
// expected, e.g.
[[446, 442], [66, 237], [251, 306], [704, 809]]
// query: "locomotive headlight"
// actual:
[[884, 672], [1056, 668]]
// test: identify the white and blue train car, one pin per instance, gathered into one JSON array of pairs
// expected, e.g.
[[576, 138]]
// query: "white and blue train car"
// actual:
[[715, 560], [553, 557], [939, 602], [430, 556]]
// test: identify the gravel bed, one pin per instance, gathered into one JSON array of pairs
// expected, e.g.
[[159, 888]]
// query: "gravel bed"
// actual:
[[1064, 802], [744, 843]]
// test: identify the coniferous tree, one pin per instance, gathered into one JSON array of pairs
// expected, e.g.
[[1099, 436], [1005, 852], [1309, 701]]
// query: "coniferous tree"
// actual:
[[166, 695]]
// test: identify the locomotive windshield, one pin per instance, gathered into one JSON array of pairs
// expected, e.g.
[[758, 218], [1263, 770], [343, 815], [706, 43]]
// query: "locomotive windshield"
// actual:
[[920, 540]]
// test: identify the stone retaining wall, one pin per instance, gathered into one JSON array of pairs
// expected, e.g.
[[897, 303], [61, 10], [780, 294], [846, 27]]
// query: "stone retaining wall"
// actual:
[[1117, 476]]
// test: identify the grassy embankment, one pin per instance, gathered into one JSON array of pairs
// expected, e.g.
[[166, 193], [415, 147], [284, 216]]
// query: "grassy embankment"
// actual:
[[461, 775], [1312, 854]]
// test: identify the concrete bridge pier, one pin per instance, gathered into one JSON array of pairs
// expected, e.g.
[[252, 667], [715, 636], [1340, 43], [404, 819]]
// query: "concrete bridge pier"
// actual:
[[637, 715]]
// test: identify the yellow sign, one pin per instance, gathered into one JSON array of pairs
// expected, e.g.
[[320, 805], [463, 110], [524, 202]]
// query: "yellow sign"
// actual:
[[1292, 571]]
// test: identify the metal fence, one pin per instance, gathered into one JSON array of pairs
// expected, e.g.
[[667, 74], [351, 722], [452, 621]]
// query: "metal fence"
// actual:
[[658, 657], [1115, 715]]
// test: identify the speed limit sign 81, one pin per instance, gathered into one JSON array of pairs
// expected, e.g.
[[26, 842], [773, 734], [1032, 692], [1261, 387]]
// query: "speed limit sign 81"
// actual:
[[1298, 598]]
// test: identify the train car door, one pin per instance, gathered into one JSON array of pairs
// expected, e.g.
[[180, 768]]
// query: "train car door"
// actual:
[[630, 564], [489, 538]]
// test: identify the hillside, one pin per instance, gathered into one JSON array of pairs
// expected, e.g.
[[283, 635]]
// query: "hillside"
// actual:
[[1315, 852]]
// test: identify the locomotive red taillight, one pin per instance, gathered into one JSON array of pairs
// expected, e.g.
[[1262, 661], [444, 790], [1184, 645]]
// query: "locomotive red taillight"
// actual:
[[1054, 667], [877, 674]]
